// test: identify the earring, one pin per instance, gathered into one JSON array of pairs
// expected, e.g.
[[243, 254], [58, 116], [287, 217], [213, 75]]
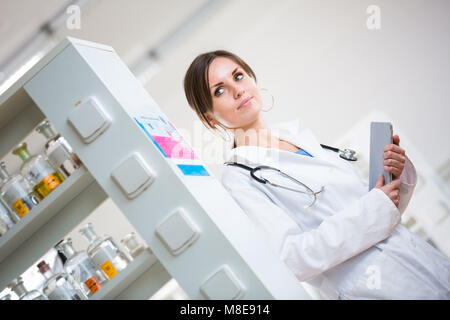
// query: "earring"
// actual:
[[273, 100]]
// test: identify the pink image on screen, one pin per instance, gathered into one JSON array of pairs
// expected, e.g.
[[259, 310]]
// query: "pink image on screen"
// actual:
[[175, 149]]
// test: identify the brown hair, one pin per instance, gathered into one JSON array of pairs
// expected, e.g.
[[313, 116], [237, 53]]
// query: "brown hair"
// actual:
[[196, 82]]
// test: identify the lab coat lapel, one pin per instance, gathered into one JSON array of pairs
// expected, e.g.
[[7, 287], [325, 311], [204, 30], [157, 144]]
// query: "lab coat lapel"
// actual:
[[271, 156], [306, 140]]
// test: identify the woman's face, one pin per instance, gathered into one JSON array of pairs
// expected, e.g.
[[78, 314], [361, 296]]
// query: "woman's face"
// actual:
[[236, 99]]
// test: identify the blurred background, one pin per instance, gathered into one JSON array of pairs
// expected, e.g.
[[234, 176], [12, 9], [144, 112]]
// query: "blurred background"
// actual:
[[331, 66]]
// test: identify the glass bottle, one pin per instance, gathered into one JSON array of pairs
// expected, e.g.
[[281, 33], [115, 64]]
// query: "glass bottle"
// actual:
[[38, 171], [131, 244], [17, 193], [8, 217], [80, 267], [3, 227], [104, 252], [58, 150], [60, 286], [18, 287]]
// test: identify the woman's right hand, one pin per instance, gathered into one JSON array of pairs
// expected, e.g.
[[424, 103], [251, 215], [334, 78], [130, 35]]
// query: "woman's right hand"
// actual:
[[392, 190]]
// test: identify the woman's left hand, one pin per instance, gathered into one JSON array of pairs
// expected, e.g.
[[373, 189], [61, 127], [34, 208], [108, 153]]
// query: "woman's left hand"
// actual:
[[394, 158]]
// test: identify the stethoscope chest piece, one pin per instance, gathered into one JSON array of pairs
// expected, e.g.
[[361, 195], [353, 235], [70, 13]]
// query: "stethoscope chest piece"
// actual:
[[348, 154]]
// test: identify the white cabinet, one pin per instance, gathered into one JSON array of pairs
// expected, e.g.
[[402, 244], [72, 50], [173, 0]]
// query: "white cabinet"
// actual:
[[135, 156]]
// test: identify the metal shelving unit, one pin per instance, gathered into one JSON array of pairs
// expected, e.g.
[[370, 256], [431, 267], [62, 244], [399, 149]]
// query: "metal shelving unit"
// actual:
[[202, 239]]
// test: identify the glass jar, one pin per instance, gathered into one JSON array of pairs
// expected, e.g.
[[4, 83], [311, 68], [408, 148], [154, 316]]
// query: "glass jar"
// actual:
[[18, 287], [3, 227], [132, 245], [81, 268], [38, 172], [60, 286], [104, 252], [6, 215], [58, 150], [17, 193]]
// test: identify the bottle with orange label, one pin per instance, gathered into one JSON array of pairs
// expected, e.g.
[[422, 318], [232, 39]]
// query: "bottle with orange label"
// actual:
[[81, 268], [17, 193], [104, 252], [38, 171]]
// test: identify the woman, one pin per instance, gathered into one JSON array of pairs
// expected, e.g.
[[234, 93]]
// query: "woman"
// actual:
[[348, 242]]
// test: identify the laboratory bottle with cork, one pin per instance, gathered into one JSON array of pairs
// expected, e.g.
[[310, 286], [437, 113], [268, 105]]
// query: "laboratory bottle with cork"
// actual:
[[58, 150], [104, 252], [60, 286], [19, 288], [17, 193], [81, 268], [38, 171]]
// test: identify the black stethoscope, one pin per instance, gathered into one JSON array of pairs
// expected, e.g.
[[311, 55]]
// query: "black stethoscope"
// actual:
[[257, 173]]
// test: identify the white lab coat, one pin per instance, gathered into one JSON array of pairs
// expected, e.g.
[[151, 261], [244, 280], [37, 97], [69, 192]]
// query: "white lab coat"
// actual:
[[349, 244]]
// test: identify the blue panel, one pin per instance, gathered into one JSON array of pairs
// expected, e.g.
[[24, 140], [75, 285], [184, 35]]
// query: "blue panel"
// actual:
[[193, 170]]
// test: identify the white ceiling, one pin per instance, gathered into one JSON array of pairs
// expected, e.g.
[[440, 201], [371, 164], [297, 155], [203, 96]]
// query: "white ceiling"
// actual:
[[19, 19], [130, 27]]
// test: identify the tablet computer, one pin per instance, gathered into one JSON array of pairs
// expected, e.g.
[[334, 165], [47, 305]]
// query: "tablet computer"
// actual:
[[380, 135]]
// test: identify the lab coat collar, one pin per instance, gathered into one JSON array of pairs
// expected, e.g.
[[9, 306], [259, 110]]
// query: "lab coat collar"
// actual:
[[304, 139], [254, 155]]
